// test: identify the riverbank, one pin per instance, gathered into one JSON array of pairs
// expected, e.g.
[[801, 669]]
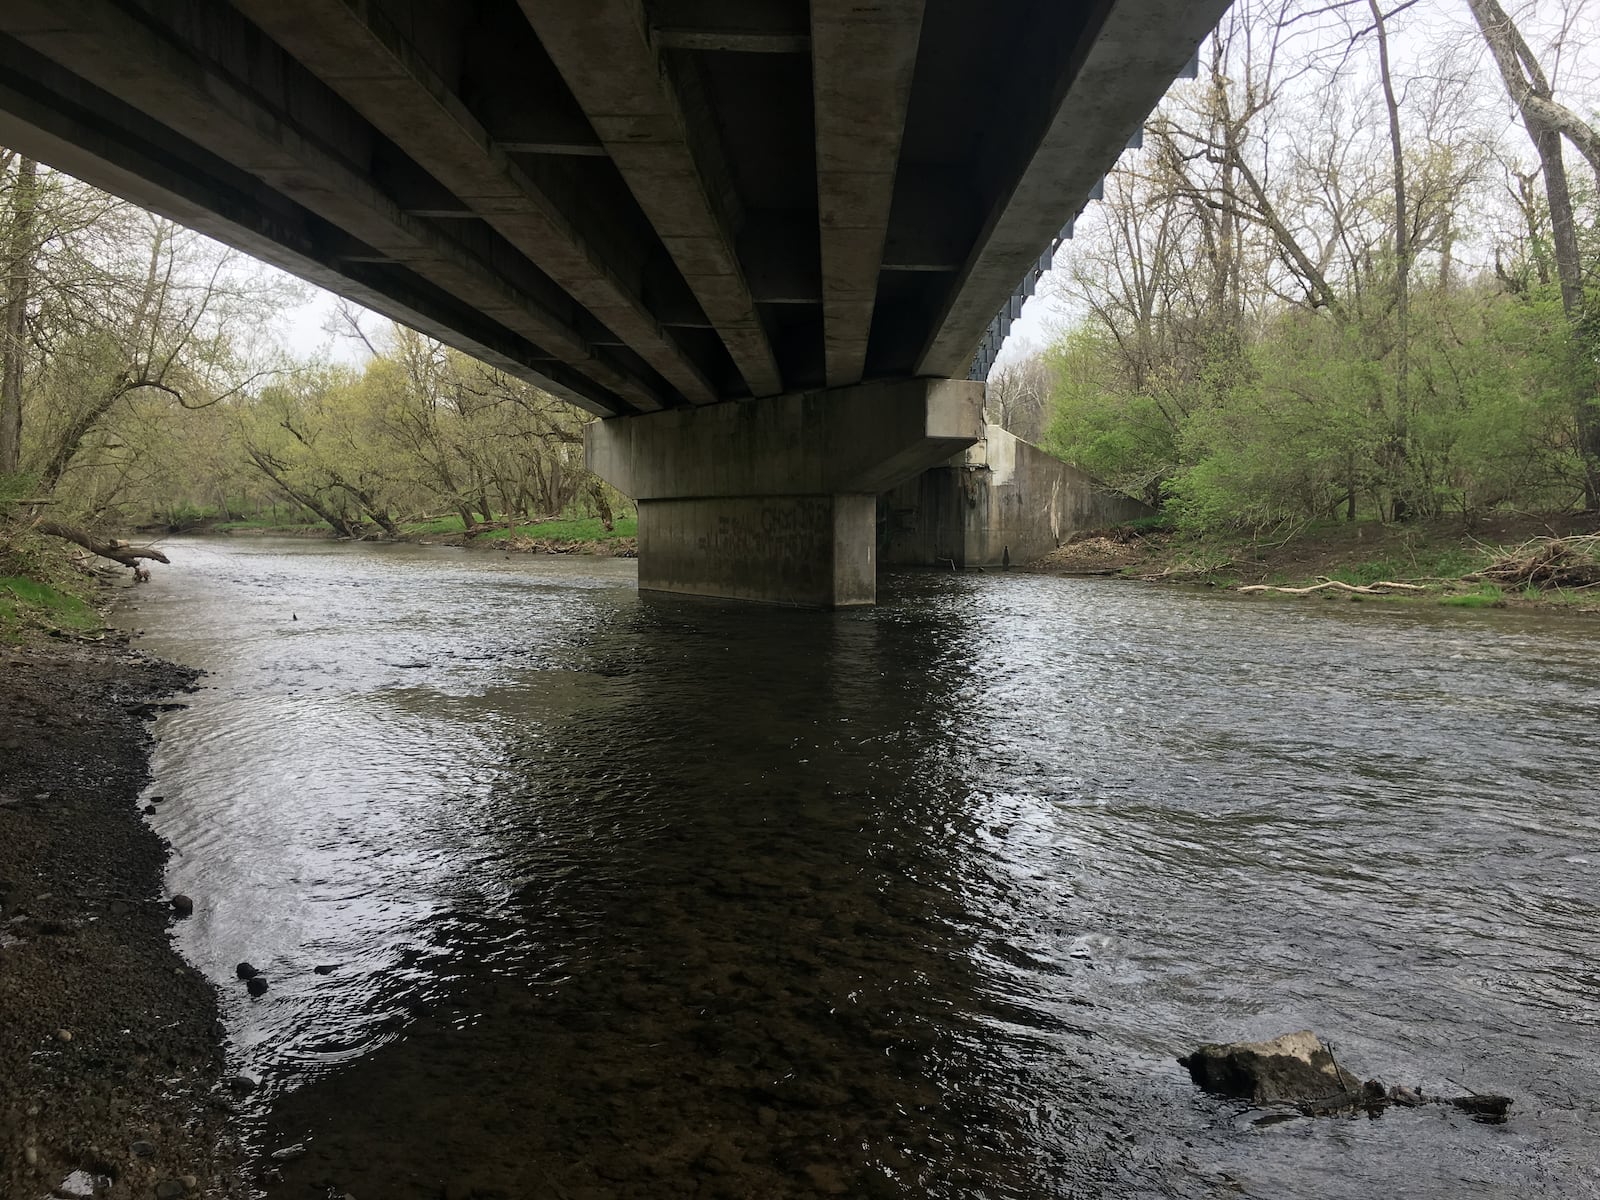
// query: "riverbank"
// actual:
[[1447, 560], [111, 1061], [581, 536]]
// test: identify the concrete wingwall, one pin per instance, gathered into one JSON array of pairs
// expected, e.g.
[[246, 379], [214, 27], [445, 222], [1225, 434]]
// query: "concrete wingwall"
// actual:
[[1001, 499]]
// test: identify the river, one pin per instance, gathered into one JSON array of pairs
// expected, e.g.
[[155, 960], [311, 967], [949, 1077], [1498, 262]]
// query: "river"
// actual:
[[623, 896]]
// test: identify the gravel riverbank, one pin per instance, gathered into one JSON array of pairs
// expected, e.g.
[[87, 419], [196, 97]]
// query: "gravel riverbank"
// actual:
[[111, 1062]]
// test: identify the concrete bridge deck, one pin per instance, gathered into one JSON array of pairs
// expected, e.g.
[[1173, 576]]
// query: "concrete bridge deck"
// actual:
[[639, 205]]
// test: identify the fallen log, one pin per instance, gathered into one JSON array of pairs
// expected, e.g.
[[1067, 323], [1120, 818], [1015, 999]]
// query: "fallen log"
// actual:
[[114, 549], [1383, 587]]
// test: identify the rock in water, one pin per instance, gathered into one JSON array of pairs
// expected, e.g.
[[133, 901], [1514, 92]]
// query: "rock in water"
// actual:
[[1295, 1069], [182, 905], [257, 985], [245, 971], [1491, 1110]]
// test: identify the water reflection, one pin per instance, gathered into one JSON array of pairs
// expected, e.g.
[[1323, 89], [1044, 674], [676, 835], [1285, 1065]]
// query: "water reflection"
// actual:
[[660, 898]]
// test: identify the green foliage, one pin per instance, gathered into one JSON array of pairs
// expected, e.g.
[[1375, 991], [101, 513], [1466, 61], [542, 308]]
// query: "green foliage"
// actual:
[[1154, 523], [28, 604], [1271, 331], [1487, 596], [1304, 427], [16, 486], [1122, 436]]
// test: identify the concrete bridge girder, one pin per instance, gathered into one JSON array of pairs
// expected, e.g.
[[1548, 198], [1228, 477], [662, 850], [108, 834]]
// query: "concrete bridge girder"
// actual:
[[656, 209], [640, 204]]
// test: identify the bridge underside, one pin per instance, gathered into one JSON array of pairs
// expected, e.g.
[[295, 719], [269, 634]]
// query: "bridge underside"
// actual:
[[640, 205]]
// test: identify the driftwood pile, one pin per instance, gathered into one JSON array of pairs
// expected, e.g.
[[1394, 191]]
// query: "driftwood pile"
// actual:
[[1547, 562]]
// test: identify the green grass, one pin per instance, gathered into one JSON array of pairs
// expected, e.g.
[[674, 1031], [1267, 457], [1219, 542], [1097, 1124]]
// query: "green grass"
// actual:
[[26, 603], [1486, 596], [1445, 562], [241, 526], [581, 529], [449, 524]]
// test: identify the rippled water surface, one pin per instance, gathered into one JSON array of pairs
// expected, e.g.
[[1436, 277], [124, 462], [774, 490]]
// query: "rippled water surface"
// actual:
[[644, 897]]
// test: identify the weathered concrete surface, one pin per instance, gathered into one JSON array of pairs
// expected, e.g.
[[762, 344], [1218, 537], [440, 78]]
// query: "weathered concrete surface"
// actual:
[[639, 205], [1123, 64], [1000, 500], [776, 500], [862, 56], [392, 82], [805, 551], [650, 117]]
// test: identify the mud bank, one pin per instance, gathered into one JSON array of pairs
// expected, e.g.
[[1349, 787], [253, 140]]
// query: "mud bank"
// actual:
[[111, 1060]]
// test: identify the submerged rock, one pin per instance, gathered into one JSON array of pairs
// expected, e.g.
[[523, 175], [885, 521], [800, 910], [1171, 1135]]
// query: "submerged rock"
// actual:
[[1295, 1069], [1298, 1069], [245, 971], [257, 985]]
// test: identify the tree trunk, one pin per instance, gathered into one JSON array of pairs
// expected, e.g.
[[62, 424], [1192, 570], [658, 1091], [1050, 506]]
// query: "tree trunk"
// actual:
[[371, 507], [121, 552], [78, 429], [602, 505], [13, 351], [336, 521], [1400, 419], [1545, 122]]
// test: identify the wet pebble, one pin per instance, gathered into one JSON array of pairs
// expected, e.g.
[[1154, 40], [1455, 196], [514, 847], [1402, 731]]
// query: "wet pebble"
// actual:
[[30, 1155], [288, 1153], [243, 1084], [245, 971], [170, 1189], [142, 1148], [182, 905], [63, 1035], [257, 985], [827, 1179], [80, 1185]]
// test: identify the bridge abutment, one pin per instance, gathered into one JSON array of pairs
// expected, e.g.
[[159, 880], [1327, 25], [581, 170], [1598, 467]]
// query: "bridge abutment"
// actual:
[[775, 501]]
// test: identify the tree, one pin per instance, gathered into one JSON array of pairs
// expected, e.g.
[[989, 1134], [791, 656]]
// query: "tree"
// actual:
[[1018, 397], [20, 219], [1547, 122]]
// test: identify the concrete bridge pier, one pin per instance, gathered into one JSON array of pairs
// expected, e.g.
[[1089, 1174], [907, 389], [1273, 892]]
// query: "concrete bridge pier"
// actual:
[[776, 501]]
